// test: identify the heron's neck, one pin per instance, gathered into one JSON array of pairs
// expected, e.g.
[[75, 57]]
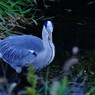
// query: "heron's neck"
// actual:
[[48, 47], [46, 56]]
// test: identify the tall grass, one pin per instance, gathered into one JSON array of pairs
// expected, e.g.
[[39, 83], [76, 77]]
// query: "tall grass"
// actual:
[[14, 14], [13, 8]]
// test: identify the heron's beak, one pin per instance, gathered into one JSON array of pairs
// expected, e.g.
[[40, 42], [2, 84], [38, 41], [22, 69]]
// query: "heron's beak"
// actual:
[[50, 36]]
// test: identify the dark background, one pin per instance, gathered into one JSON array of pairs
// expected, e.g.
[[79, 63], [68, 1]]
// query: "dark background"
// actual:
[[74, 25]]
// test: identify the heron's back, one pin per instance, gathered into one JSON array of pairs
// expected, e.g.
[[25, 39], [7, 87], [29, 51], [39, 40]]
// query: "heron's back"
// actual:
[[27, 42]]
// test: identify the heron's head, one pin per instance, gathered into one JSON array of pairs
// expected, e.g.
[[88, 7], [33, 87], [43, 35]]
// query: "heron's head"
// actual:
[[48, 25]]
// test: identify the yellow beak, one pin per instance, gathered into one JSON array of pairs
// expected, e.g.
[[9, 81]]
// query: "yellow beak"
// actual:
[[50, 36]]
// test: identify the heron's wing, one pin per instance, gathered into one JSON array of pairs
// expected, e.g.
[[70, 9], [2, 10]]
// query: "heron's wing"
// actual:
[[20, 52], [26, 42], [15, 56]]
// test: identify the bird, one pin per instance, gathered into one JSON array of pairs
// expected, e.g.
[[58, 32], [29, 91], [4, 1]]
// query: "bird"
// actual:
[[20, 51]]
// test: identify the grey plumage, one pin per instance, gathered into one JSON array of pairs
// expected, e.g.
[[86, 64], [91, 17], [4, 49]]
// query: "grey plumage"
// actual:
[[19, 51]]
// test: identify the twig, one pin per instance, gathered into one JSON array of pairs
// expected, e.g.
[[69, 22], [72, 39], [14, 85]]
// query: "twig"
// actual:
[[35, 20], [14, 32], [14, 25]]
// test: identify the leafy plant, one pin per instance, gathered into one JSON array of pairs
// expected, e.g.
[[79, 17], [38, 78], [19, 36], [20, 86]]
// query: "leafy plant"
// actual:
[[32, 79], [59, 88], [91, 91], [13, 8]]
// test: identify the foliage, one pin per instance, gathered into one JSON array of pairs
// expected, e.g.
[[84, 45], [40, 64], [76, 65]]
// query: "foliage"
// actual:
[[13, 8], [59, 88], [91, 91], [14, 14], [86, 64], [73, 81], [32, 79]]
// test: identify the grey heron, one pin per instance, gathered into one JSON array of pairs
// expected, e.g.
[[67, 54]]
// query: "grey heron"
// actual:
[[20, 50]]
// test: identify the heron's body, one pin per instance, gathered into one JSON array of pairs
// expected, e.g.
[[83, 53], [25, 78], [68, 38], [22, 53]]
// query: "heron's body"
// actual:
[[19, 51]]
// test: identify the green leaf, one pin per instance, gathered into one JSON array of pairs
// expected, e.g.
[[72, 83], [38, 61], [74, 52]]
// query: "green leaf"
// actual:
[[2, 18], [26, 11], [15, 4], [91, 91]]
